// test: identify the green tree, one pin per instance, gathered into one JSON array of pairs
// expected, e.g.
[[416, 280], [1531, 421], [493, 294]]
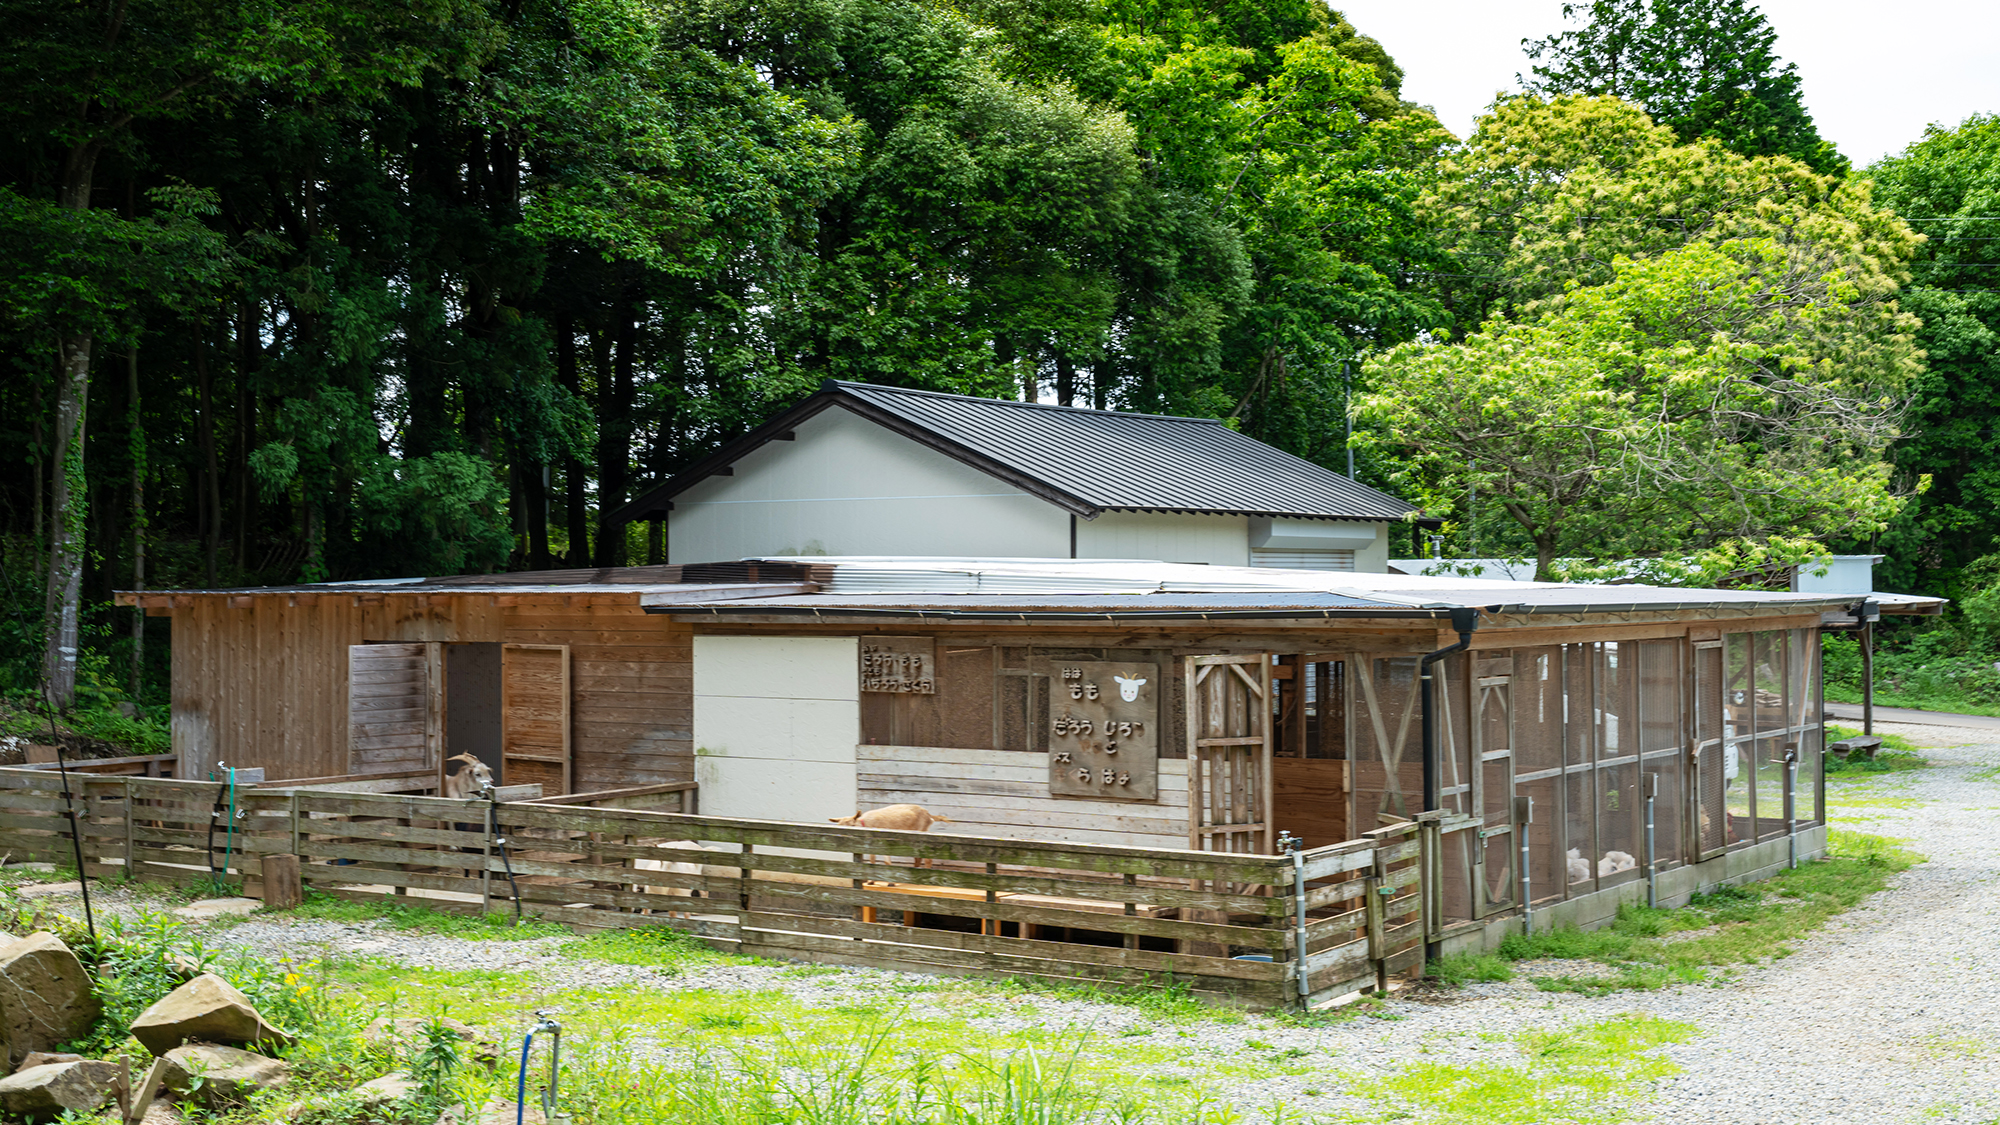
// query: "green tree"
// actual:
[[1708, 396], [1703, 68], [1548, 192], [1949, 185]]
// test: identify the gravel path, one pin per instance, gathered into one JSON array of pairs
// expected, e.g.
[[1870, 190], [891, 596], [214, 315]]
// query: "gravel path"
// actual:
[[1890, 1015]]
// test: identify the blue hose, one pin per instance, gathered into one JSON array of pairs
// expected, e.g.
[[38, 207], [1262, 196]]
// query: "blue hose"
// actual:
[[521, 1086]]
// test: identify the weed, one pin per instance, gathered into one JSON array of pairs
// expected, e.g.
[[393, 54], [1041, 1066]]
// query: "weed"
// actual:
[[1595, 1073], [423, 918], [1463, 968]]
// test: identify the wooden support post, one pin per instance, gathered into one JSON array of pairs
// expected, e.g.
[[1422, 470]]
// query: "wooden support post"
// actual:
[[133, 1103], [1378, 935], [131, 859], [283, 888]]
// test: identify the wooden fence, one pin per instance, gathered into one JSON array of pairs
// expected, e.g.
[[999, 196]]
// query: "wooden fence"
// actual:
[[1232, 927]]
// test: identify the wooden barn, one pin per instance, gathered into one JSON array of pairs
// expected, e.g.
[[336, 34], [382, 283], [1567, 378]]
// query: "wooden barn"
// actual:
[[1564, 748]]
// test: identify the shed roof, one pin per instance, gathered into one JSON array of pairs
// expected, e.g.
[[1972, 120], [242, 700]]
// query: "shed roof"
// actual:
[[1087, 461]]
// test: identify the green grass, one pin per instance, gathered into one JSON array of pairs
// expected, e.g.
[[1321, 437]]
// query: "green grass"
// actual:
[[496, 926], [657, 946], [1896, 755], [1729, 926], [1596, 1073], [1464, 968]]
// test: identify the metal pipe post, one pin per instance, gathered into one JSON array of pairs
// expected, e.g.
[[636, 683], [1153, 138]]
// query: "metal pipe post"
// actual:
[[1652, 863], [1524, 815]]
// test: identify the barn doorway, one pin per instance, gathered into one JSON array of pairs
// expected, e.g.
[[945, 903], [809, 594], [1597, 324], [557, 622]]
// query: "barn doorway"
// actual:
[[472, 705]]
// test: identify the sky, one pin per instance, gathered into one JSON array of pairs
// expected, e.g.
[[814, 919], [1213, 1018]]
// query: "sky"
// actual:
[[1874, 74]]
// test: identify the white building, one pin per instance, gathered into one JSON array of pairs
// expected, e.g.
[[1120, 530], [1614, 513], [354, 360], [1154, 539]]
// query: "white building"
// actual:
[[866, 470]]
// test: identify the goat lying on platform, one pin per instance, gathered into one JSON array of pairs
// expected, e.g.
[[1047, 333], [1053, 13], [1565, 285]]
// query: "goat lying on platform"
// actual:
[[1614, 862], [476, 775]]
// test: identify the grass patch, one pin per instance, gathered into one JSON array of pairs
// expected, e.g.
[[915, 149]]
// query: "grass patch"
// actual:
[[1736, 925], [655, 945], [1464, 968], [419, 918], [1597, 1073]]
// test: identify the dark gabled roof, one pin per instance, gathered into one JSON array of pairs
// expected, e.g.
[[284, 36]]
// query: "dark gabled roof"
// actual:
[[1087, 461]]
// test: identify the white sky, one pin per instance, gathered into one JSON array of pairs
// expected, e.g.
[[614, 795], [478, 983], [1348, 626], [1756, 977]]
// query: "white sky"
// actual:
[[1874, 74]]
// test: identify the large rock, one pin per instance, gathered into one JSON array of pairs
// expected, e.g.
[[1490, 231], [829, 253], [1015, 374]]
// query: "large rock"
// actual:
[[43, 1058], [206, 1009], [386, 1090], [227, 1074], [45, 996], [46, 1091]]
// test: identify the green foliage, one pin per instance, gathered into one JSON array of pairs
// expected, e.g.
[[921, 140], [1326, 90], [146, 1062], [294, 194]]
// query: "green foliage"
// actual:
[[1732, 925], [1596, 1073], [1707, 394], [1897, 754], [1704, 68], [1464, 968], [1939, 667], [495, 926]]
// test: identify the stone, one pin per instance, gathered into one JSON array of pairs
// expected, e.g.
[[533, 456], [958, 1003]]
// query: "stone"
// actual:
[[390, 1088], [45, 996], [227, 1074], [49, 890], [408, 1033], [161, 1113], [46, 1091], [206, 1009], [216, 908], [43, 1058]]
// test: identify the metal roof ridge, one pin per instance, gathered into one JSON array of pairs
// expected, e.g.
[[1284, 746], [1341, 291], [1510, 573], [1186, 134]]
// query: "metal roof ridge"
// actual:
[[848, 385]]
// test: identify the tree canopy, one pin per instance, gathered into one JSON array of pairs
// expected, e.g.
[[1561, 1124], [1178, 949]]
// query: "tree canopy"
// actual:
[[1703, 68]]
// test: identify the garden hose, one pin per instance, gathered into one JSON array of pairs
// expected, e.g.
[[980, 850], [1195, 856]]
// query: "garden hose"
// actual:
[[75, 834], [493, 827], [542, 1023], [217, 876]]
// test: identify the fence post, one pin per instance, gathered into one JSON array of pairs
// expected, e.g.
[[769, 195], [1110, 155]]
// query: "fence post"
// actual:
[[131, 854], [1376, 913]]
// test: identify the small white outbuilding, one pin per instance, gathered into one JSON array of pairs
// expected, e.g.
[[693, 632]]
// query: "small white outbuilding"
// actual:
[[867, 470]]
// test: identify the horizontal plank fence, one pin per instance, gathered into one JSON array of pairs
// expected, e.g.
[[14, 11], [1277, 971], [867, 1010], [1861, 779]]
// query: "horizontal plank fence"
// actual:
[[1233, 928]]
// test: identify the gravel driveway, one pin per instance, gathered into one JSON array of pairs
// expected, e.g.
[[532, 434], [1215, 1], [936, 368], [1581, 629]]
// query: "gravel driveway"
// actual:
[[1890, 1015]]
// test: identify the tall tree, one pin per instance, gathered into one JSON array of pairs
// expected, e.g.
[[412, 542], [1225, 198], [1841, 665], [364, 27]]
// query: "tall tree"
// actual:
[[1711, 395], [1948, 183], [1703, 68]]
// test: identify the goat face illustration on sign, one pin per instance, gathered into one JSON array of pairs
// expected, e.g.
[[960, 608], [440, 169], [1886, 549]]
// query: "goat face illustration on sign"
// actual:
[[1128, 687]]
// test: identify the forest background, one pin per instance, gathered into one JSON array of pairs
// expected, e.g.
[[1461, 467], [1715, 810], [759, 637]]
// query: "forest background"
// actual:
[[392, 287]]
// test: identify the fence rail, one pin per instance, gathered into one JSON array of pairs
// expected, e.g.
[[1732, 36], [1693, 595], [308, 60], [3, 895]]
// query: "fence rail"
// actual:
[[935, 903]]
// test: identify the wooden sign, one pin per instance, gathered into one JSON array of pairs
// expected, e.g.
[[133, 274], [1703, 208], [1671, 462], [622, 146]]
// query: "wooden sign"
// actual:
[[1104, 734], [900, 665]]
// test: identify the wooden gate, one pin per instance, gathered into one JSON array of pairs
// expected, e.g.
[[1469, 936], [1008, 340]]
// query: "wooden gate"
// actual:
[[534, 717], [393, 707], [1229, 753]]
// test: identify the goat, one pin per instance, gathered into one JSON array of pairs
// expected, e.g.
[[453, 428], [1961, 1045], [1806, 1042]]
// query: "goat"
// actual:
[[476, 775], [907, 818]]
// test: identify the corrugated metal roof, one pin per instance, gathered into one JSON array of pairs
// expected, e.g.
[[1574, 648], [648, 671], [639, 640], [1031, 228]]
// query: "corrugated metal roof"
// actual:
[[1121, 461], [1087, 461], [1044, 606]]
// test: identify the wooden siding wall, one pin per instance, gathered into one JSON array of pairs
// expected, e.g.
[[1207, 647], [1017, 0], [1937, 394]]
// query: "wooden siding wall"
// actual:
[[1006, 793], [261, 680]]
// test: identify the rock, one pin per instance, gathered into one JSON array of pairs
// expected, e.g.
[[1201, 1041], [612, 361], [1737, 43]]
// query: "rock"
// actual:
[[386, 1090], [407, 1033], [47, 1090], [227, 1074], [216, 908], [207, 1009], [43, 1058], [161, 1113], [49, 890], [45, 996]]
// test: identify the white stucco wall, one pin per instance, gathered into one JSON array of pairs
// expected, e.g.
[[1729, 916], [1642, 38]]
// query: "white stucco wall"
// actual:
[[776, 720], [846, 486], [1167, 536]]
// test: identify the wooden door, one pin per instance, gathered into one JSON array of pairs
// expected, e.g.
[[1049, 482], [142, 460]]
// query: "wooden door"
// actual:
[[534, 717], [1229, 753], [394, 717]]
